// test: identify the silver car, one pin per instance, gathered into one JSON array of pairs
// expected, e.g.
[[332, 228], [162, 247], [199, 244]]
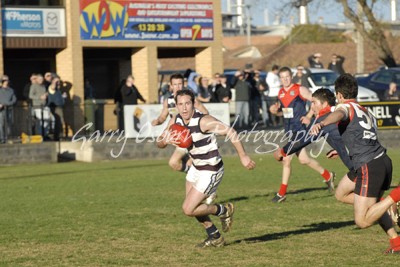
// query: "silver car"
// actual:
[[319, 78]]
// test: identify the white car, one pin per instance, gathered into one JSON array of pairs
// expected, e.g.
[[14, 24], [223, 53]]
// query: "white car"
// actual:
[[326, 78]]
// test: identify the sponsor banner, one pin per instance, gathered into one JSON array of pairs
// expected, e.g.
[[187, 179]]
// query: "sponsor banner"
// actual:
[[146, 20], [138, 118], [33, 22], [387, 114]]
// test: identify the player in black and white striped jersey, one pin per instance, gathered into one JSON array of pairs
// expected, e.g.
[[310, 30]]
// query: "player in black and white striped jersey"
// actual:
[[207, 168], [179, 160]]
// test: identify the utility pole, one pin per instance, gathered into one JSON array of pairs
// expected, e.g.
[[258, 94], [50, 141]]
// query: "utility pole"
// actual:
[[360, 44], [248, 22], [393, 13], [241, 11]]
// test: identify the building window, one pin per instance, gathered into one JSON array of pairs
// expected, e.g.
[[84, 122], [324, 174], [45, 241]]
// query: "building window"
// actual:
[[42, 3]]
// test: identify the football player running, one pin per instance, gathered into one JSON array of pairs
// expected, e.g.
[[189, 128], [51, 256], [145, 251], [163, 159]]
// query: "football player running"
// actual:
[[207, 169]]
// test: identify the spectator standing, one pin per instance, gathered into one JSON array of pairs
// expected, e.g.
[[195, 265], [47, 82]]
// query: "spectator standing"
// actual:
[[262, 87], [223, 90], [7, 100], [315, 61], [48, 76], [255, 97], [38, 95], [192, 85], [27, 87], [130, 94], [336, 64], [301, 76], [274, 85], [242, 99], [213, 87], [204, 93], [56, 101], [89, 90], [391, 93]]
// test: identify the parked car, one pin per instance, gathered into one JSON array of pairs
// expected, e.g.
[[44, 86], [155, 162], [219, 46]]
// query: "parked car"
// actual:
[[379, 81], [326, 78]]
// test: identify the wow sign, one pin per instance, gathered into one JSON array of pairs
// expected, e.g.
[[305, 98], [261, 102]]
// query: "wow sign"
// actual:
[[146, 20]]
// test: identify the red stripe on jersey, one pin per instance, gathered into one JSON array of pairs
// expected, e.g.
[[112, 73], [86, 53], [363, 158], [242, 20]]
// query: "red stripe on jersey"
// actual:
[[364, 180], [286, 97]]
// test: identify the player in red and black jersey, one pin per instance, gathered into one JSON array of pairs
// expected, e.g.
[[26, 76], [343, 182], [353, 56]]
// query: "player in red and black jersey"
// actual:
[[373, 167], [292, 106]]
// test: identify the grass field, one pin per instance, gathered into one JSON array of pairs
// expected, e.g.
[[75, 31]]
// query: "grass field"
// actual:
[[128, 213]]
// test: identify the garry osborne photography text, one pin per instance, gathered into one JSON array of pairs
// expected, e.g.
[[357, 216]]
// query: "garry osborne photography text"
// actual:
[[268, 140]]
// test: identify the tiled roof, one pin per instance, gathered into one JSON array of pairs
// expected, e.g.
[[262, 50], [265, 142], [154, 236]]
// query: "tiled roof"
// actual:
[[287, 54]]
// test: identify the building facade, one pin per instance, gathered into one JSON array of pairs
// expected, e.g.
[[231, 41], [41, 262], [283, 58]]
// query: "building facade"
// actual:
[[104, 41]]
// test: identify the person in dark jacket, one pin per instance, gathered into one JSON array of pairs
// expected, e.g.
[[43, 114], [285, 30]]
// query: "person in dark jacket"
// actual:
[[130, 94], [336, 64], [7, 100], [242, 99]]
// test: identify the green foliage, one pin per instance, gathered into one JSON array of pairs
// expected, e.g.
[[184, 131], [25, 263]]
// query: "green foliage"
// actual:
[[313, 33], [128, 213]]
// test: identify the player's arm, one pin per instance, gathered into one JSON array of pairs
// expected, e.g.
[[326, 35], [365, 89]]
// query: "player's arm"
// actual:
[[163, 116], [275, 109], [306, 94], [166, 138], [210, 124], [338, 115], [200, 107]]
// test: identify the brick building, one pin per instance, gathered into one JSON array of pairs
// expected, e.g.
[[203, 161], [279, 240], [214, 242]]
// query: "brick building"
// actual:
[[105, 41]]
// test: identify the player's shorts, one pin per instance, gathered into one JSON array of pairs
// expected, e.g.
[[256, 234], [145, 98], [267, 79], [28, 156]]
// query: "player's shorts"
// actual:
[[352, 174], [374, 177], [204, 181], [181, 150]]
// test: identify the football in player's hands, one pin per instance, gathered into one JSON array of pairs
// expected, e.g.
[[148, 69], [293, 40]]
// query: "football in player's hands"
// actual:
[[181, 135]]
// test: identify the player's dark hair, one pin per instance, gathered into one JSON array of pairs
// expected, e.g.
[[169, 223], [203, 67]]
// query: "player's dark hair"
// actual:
[[325, 95], [176, 76], [185, 92], [284, 69], [347, 85]]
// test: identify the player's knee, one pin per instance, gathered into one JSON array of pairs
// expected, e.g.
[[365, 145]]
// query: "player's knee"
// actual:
[[187, 210], [339, 196], [362, 223]]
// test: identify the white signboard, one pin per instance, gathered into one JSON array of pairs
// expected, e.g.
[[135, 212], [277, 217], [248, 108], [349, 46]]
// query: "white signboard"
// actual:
[[34, 22], [138, 118]]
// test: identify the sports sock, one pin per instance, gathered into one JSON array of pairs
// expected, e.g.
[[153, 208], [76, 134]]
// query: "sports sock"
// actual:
[[220, 209], [212, 231], [395, 242], [282, 190], [326, 174], [395, 194]]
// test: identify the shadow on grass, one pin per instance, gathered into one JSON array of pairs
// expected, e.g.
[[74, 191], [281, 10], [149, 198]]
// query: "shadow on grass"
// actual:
[[80, 171], [294, 192], [311, 228]]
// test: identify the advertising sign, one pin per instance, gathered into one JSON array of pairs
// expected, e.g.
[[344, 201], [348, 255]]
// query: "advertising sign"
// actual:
[[387, 114], [146, 20], [138, 118], [33, 22]]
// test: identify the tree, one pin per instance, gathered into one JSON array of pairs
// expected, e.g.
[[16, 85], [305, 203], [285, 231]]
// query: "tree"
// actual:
[[313, 33], [375, 35]]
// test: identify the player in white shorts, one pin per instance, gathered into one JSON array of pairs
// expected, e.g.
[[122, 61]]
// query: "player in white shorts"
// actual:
[[207, 168]]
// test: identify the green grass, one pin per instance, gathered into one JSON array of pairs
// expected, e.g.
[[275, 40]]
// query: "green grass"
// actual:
[[128, 213]]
